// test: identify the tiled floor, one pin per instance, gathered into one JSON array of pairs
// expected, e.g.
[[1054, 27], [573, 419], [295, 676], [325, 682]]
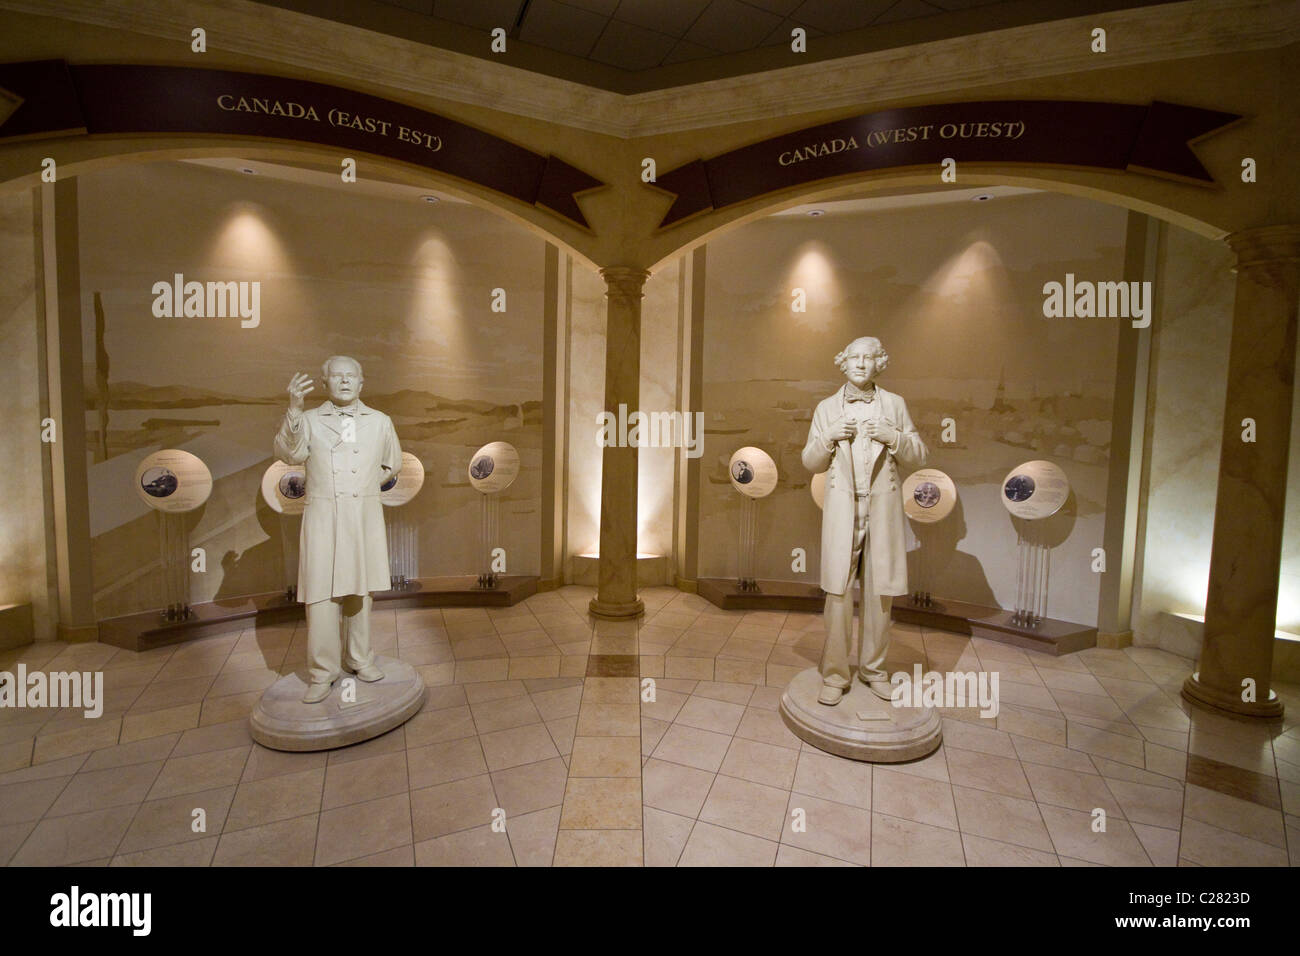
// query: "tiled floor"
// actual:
[[536, 747]]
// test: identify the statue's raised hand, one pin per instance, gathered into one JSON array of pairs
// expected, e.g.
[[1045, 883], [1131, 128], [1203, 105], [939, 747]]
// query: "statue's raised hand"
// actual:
[[299, 386]]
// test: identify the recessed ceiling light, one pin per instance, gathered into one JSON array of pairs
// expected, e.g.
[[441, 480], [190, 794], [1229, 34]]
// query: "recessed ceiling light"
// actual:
[[429, 198], [816, 212], [249, 170], [982, 197]]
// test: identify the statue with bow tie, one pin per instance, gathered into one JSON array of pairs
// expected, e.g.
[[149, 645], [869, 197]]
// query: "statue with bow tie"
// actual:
[[858, 437], [349, 449]]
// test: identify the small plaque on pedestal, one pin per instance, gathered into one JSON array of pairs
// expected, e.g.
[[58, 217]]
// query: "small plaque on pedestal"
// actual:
[[861, 726]]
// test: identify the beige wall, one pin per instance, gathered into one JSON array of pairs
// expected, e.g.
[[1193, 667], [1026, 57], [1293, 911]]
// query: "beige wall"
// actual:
[[402, 286], [955, 294], [22, 510]]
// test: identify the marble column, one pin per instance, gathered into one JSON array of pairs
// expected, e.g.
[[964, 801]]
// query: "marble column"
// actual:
[[1245, 556], [616, 591]]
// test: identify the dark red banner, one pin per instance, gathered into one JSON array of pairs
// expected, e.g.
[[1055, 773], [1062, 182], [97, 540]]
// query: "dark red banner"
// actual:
[[59, 99], [1147, 139]]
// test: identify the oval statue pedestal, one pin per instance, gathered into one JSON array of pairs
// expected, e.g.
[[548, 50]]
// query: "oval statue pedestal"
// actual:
[[282, 721], [861, 726]]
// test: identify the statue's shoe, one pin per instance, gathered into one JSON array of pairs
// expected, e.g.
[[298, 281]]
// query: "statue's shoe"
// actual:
[[370, 673], [882, 689], [316, 693], [830, 695]]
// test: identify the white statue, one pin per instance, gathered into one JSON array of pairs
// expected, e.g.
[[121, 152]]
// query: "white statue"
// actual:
[[349, 449], [858, 436]]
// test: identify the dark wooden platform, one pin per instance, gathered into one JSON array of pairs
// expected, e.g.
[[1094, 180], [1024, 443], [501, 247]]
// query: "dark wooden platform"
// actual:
[[140, 632], [995, 624]]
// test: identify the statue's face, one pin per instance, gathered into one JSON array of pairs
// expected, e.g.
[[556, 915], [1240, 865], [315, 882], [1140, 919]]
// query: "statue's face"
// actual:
[[860, 365], [344, 382]]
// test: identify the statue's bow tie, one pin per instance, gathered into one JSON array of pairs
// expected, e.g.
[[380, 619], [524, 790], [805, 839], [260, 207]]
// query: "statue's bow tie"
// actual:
[[854, 394]]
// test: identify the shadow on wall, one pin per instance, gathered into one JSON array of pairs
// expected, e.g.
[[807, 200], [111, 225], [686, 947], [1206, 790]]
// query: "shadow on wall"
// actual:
[[937, 566], [244, 573]]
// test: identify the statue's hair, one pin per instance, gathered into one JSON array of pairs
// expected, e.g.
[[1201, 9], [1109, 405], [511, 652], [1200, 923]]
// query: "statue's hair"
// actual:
[[325, 368], [873, 343]]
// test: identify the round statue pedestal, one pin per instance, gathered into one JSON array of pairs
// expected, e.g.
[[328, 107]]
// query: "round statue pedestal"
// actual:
[[889, 734], [282, 721]]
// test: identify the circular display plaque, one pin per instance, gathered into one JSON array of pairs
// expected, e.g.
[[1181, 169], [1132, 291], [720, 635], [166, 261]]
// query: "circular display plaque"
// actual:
[[753, 472], [1036, 489], [405, 485], [928, 495], [173, 480], [284, 488], [818, 488], [494, 467]]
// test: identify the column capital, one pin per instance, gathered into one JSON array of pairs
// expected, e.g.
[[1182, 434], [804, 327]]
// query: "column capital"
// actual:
[[624, 281], [1263, 245]]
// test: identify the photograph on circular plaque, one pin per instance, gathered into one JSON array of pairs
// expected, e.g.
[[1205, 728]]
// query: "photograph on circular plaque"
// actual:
[[818, 488], [929, 495], [405, 485], [1036, 489], [753, 472], [173, 480], [494, 467], [284, 488]]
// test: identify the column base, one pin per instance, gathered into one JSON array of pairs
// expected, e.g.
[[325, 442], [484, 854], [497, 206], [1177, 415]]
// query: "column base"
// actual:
[[1199, 693], [616, 610]]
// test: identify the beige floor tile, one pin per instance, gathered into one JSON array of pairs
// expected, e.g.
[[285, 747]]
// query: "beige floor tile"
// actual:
[[140, 751], [481, 846], [284, 843], [601, 803], [16, 754], [220, 710], [734, 670], [438, 726], [99, 789], [1050, 755], [195, 853], [1059, 787], [562, 732], [828, 828], [482, 671], [263, 763], [897, 842], [1119, 747], [65, 840], [12, 837], [665, 836], [748, 807], [934, 766], [960, 735], [600, 719], [1114, 770], [987, 772], [165, 695], [761, 763], [560, 702], [532, 787], [519, 745], [1165, 761], [159, 722], [503, 714], [706, 713], [1086, 705], [1073, 836], [258, 802], [598, 848], [611, 690], [1079, 683], [1160, 844], [1142, 803], [1023, 722], [666, 705], [767, 727], [1242, 750], [1212, 846], [364, 828], [793, 856], [674, 788], [199, 772], [357, 781], [981, 851], [443, 762], [174, 819], [450, 807], [605, 757], [1002, 818], [532, 836], [912, 798], [99, 734], [1235, 815], [834, 778], [29, 800], [689, 668], [540, 665], [692, 747], [710, 845]]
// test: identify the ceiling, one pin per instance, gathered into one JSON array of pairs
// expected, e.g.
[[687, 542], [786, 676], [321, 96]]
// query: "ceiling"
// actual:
[[630, 46]]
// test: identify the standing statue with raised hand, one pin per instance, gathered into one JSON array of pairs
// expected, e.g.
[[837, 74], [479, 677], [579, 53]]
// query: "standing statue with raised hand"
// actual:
[[350, 450], [858, 436]]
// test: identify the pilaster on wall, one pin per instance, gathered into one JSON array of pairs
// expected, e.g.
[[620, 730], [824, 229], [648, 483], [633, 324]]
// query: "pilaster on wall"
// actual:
[[686, 537], [1125, 486], [61, 280]]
